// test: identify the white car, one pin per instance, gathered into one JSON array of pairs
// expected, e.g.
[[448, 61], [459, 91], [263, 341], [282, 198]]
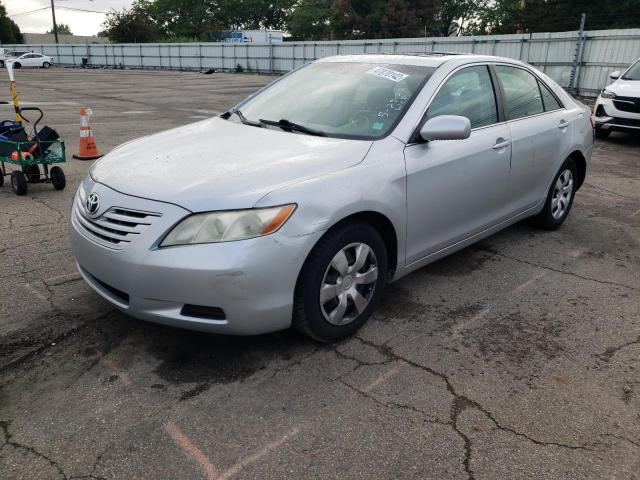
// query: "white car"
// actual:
[[618, 106], [31, 60], [6, 54]]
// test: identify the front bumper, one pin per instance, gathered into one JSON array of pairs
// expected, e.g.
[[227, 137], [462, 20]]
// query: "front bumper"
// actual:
[[608, 117], [251, 282]]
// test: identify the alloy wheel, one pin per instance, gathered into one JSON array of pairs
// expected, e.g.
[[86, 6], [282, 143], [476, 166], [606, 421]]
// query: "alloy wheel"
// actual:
[[348, 283]]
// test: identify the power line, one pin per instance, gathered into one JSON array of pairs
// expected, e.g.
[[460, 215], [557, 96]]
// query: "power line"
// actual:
[[28, 12]]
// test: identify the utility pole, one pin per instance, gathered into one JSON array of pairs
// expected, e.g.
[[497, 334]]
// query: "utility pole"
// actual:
[[574, 82], [523, 5], [55, 25]]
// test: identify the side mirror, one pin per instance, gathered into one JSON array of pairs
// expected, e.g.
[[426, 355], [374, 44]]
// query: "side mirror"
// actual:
[[614, 75], [446, 127]]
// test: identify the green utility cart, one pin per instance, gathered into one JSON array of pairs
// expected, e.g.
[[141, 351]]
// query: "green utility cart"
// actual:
[[29, 155]]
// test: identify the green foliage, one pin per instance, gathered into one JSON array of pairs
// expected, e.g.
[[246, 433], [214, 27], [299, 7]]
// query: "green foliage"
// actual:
[[131, 25], [189, 20], [9, 30], [63, 29]]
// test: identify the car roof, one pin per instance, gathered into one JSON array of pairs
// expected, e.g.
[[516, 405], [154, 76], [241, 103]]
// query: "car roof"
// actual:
[[430, 59]]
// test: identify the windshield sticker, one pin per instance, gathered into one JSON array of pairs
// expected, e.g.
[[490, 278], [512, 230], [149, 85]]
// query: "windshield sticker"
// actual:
[[387, 73], [377, 126]]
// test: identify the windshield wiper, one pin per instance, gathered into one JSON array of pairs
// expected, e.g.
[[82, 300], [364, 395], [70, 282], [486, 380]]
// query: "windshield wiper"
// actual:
[[244, 119], [290, 126]]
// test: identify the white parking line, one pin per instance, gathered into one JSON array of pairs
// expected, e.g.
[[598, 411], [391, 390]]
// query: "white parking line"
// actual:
[[462, 325], [381, 379], [36, 293], [528, 283]]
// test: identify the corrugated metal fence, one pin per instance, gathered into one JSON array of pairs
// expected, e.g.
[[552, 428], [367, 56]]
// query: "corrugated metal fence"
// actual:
[[553, 53]]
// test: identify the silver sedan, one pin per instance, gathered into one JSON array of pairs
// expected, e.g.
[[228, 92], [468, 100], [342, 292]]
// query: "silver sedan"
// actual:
[[297, 206]]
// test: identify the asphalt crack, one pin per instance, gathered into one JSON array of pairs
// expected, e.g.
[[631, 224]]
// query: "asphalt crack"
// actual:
[[563, 272], [459, 404], [608, 354], [4, 426]]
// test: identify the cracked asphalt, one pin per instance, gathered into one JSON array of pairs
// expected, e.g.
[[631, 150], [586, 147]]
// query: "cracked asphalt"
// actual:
[[516, 358]]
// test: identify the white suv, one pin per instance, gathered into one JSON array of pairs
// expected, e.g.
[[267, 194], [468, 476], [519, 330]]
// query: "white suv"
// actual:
[[618, 106]]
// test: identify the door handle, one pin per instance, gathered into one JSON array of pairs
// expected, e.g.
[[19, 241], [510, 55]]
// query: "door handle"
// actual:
[[501, 143], [563, 124]]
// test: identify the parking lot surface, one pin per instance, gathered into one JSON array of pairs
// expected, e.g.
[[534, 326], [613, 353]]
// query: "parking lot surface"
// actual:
[[516, 358]]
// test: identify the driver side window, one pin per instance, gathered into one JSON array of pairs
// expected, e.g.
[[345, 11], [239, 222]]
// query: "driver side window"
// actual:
[[467, 93]]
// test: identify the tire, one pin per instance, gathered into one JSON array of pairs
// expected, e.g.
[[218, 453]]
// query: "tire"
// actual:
[[340, 316], [32, 172], [559, 200], [1, 178], [57, 178], [602, 133], [1, 63], [17, 65], [19, 183], [46, 65]]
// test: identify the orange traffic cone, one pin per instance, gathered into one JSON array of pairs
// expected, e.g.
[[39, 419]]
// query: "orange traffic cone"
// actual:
[[88, 149]]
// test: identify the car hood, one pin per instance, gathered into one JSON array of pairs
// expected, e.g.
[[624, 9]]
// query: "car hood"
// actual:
[[625, 88], [217, 164]]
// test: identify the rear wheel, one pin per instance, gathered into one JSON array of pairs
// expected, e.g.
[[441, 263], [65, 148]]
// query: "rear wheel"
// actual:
[[600, 133], [57, 178], [19, 183], [560, 197], [340, 283]]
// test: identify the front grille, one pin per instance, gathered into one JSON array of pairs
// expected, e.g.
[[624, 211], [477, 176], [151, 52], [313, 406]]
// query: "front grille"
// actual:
[[627, 104], [116, 227], [629, 122]]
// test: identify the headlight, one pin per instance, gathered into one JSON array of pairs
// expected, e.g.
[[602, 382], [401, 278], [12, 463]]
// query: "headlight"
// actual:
[[228, 225], [607, 94]]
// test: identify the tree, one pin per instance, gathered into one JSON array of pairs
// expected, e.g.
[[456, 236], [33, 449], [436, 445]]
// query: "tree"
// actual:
[[9, 30], [130, 26], [313, 20], [63, 29], [507, 16]]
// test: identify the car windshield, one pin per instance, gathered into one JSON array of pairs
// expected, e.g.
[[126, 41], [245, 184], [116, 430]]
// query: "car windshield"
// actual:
[[633, 73], [338, 99]]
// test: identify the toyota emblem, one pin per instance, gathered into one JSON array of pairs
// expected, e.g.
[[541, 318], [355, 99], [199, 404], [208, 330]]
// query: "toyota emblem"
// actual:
[[92, 204]]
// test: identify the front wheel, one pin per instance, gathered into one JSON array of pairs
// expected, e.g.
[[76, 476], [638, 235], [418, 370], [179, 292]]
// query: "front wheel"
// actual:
[[16, 65], [1, 63], [560, 197], [340, 283], [600, 133], [46, 65]]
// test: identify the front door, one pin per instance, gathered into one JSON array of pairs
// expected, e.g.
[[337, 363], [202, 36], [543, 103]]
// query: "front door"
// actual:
[[458, 188]]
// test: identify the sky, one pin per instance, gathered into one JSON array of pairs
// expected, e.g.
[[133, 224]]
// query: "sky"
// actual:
[[81, 23]]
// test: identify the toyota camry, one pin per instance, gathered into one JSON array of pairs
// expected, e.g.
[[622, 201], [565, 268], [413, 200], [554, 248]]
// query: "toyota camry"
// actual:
[[297, 206]]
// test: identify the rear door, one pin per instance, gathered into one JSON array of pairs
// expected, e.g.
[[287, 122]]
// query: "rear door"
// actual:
[[540, 130], [458, 188]]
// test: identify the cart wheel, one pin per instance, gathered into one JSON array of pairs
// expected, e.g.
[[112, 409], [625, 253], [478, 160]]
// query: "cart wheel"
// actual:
[[57, 178], [19, 183], [32, 172]]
